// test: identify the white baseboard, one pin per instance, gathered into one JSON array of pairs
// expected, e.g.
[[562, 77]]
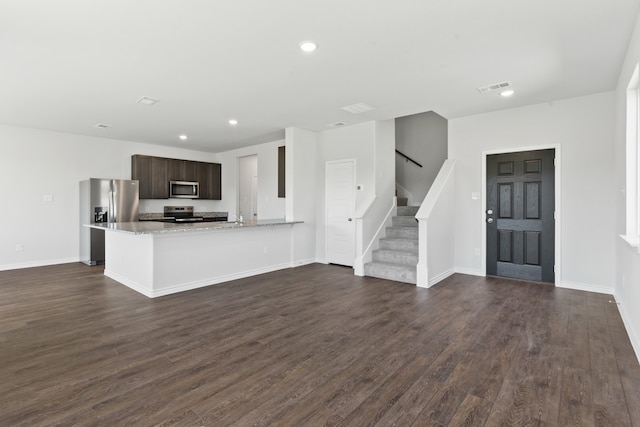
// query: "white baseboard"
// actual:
[[193, 285], [634, 337], [38, 263], [440, 277], [301, 262], [128, 283], [585, 287], [469, 271]]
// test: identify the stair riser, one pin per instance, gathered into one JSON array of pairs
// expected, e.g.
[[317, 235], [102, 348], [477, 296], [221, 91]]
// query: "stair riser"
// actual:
[[375, 270], [400, 245], [404, 221], [407, 210], [394, 257], [403, 233]]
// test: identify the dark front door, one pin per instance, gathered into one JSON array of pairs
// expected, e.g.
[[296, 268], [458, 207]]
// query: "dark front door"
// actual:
[[520, 215]]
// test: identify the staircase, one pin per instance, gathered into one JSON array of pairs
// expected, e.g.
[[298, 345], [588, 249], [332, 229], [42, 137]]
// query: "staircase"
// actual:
[[398, 254]]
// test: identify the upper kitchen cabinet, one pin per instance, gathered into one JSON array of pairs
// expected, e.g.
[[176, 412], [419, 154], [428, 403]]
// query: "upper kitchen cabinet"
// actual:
[[152, 172], [182, 170], [209, 177]]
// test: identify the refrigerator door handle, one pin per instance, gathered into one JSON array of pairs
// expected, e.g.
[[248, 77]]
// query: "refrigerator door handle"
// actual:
[[112, 206]]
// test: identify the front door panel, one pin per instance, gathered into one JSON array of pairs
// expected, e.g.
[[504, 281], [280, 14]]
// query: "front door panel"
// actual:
[[520, 215]]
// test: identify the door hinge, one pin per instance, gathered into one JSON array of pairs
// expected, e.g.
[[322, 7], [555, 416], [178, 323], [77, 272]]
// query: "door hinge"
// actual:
[[554, 161], [554, 268], [554, 215]]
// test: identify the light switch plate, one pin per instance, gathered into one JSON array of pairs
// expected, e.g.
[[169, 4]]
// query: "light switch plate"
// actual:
[[48, 198]]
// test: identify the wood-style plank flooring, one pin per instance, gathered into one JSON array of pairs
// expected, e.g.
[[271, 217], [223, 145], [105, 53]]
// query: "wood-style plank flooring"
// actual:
[[310, 346]]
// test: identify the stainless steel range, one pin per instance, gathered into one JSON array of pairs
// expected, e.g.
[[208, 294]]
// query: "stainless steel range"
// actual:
[[185, 214]]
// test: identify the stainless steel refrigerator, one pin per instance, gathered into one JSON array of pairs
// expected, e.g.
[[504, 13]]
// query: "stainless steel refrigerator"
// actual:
[[104, 200]]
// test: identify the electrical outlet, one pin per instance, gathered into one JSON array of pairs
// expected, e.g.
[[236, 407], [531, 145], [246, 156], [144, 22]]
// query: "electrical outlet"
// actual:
[[476, 251], [19, 247]]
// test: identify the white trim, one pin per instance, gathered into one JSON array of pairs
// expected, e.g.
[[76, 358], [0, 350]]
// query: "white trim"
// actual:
[[301, 262], [32, 264], [440, 277], [585, 287], [633, 241], [558, 202], [633, 334], [193, 285], [469, 271]]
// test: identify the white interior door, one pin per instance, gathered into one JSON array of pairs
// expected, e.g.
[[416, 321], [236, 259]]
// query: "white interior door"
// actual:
[[340, 203], [254, 197]]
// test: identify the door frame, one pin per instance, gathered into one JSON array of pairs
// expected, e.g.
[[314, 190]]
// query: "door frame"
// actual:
[[326, 206], [557, 202]]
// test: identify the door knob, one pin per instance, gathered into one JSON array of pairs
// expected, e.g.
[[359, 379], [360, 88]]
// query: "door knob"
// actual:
[[489, 220], [489, 211]]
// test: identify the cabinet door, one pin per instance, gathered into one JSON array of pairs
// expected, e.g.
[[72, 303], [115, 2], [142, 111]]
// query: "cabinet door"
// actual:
[[141, 170], [205, 178], [176, 170], [190, 170], [159, 179], [151, 172], [216, 185]]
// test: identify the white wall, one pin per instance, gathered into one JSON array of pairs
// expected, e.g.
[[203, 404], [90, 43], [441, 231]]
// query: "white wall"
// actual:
[[269, 205], [352, 142], [627, 281], [583, 127], [34, 163], [423, 137], [301, 189]]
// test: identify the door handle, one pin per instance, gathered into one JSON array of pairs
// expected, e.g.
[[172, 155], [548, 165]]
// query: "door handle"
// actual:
[[489, 220]]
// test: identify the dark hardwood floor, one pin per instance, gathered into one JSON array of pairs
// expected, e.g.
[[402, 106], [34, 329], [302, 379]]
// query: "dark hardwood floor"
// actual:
[[310, 346]]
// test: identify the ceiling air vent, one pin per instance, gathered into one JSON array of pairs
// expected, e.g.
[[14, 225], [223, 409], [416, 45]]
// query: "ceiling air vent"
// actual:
[[146, 100], [100, 126], [495, 86], [358, 108], [336, 124]]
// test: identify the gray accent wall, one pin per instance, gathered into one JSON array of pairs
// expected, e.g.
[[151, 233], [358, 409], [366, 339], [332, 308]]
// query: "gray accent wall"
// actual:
[[423, 137]]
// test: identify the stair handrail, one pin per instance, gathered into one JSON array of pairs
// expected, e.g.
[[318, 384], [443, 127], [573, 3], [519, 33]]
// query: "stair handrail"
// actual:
[[408, 159]]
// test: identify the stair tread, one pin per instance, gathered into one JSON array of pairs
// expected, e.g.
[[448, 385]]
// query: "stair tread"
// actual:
[[410, 239], [402, 251], [393, 265]]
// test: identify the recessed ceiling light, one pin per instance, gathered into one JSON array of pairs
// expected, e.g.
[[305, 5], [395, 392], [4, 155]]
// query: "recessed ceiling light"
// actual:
[[308, 46], [146, 100], [507, 93], [183, 137], [233, 122]]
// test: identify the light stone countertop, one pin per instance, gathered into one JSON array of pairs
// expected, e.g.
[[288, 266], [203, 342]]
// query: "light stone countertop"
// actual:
[[153, 227]]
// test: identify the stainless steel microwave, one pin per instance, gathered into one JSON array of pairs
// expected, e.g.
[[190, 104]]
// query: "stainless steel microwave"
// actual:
[[184, 190]]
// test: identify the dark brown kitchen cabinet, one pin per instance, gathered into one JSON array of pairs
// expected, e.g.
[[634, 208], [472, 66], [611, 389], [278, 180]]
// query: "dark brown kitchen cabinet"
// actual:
[[182, 170], [208, 175], [154, 174]]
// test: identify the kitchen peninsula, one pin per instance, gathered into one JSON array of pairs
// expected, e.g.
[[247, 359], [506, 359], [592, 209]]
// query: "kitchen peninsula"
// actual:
[[158, 258]]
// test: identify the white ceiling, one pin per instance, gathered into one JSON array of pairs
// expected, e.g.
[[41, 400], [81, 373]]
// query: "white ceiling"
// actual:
[[68, 65]]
